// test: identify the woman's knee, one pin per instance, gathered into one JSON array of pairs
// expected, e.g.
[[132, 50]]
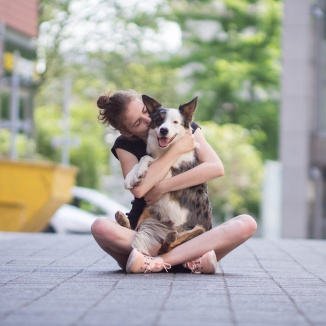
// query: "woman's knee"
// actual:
[[101, 228], [248, 225]]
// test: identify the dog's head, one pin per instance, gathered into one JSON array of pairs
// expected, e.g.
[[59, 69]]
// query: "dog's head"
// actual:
[[169, 125]]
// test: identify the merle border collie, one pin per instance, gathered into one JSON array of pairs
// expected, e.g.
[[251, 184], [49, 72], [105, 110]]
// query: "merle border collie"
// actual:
[[177, 216]]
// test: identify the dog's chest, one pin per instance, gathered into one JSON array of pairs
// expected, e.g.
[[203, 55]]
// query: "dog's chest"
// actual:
[[185, 162], [166, 210], [168, 207]]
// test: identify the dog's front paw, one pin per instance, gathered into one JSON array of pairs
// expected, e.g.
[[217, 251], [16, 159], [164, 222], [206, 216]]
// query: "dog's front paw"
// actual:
[[144, 163], [131, 178], [131, 181], [138, 172], [122, 219]]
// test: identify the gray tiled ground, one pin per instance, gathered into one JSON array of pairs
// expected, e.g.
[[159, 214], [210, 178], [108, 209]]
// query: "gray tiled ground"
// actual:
[[50, 279]]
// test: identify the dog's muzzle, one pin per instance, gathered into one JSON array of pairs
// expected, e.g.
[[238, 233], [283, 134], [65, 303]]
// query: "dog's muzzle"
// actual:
[[164, 141], [164, 131]]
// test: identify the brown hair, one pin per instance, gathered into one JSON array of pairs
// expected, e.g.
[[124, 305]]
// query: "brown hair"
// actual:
[[113, 107]]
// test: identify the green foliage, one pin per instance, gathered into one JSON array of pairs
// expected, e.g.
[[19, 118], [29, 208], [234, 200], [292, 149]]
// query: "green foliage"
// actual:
[[142, 74], [238, 191], [87, 159], [231, 53], [25, 146], [90, 155], [229, 57], [53, 19]]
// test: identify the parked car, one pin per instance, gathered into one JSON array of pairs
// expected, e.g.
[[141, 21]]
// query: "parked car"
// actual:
[[86, 206]]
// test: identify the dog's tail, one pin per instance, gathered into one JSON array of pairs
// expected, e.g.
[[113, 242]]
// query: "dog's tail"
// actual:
[[150, 236]]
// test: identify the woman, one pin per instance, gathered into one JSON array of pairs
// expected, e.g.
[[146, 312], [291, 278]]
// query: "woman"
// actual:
[[126, 112]]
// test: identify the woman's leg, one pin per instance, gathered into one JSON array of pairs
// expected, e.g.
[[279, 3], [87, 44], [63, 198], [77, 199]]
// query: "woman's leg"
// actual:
[[113, 239], [222, 239], [116, 240]]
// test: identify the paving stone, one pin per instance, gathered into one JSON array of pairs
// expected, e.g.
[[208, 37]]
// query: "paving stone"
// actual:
[[49, 279]]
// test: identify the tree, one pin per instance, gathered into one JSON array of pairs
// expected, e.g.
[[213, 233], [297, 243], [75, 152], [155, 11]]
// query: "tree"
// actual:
[[53, 20], [25, 145], [91, 154], [230, 58], [117, 61], [238, 191]]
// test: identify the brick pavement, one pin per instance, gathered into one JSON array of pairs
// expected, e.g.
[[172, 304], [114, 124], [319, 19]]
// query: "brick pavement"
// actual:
[[48, 279]]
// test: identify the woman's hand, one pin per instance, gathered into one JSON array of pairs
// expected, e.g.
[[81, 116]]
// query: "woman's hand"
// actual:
[[154, 194], [186, 143]]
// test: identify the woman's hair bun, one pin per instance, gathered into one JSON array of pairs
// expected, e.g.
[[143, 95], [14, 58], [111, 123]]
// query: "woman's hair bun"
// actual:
[[102, 101]]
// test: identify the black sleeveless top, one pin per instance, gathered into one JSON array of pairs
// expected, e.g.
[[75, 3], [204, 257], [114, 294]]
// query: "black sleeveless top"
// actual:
[[138, 148]]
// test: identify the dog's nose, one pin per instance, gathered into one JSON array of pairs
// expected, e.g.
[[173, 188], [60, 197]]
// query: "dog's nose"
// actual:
[[164, 131]]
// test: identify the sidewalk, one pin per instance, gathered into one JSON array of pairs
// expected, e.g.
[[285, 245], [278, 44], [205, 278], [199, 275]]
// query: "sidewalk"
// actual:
[[48, 279]]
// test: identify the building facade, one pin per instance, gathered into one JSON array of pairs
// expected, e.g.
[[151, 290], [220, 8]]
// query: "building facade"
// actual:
[[303, 120], [18, 33]]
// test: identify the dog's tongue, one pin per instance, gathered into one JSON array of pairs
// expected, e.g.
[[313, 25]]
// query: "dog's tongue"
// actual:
[[163, 142]]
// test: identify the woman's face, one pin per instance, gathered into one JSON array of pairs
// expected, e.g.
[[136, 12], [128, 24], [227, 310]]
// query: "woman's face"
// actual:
[[136, 119]]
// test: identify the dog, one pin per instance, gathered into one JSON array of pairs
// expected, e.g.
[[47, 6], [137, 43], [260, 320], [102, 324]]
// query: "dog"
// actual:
[[177, 216]]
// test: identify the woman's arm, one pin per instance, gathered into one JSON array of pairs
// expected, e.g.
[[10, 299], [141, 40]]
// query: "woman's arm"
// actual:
[[159, 168], [210, 168]]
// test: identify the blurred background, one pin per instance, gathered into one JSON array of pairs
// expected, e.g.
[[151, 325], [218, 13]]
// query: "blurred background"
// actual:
[[258, 67]]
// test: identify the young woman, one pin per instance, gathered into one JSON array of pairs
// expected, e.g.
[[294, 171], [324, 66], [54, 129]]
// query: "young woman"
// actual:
[[126, 112]]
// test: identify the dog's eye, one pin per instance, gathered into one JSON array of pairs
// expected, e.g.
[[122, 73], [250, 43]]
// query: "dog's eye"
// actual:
[[158, 117], [175, 121]]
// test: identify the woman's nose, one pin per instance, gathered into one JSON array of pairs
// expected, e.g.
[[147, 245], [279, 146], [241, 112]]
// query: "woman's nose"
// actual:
[[147, 118]]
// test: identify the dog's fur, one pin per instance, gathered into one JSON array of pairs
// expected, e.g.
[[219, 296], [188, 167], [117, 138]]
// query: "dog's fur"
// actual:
[[180, 215]]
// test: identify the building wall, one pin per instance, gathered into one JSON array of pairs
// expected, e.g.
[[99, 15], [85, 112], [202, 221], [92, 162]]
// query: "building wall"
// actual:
[[297, 98], [20, 15], [18, 33]]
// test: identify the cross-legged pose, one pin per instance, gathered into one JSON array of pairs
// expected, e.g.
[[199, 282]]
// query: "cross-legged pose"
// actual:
[[126, 112]]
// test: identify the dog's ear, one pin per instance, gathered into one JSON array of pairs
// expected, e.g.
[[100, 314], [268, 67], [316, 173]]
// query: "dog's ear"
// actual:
[[156, 111], [188, 109], [151, 104]]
